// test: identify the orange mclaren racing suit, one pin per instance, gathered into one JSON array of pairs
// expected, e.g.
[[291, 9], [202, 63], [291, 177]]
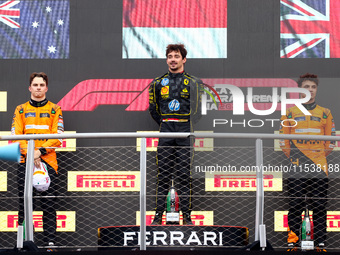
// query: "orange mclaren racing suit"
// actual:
[[309, 171], [39, 118], [42, 117]]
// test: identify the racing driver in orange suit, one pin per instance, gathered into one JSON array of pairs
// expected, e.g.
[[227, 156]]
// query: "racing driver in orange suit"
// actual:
[[39, 116], [308, 175]]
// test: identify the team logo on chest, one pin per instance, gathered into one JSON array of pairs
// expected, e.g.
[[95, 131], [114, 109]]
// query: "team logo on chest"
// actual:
[[44, 115], [185, 93], [165, 82], [174, 105], [165, 92], [30, 114]]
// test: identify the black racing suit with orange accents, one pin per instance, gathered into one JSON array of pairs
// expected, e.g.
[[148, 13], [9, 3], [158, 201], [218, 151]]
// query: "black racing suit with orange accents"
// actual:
[[42, 117], [175, 104], [309, 170]]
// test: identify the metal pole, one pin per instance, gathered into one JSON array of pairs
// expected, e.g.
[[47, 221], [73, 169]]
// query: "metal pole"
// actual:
[[259, 189], [171, 135], [20, 237], [143, 194], [28, 203]]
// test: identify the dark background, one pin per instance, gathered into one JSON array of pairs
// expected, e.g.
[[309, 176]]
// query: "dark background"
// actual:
[[96, 53]]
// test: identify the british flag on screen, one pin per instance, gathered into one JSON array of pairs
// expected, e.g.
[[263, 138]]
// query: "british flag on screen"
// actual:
[[34, 29], [310, 28], [150, 25]]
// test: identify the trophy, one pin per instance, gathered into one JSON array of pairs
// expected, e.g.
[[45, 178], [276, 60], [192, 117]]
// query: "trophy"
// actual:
[[307, 232], [172, 206]]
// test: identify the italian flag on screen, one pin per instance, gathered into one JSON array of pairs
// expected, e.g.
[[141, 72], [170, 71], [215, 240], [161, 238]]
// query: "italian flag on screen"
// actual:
[[150, 25]]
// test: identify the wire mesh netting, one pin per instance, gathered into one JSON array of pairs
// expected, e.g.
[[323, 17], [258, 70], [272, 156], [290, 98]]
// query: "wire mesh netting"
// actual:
[[98, 187], [303, 185]]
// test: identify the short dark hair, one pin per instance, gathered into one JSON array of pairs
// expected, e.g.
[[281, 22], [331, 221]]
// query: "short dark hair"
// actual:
[[41, 74], [176, 47], [308, 77]]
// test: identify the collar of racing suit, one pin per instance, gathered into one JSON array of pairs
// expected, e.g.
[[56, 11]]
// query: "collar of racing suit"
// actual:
[[310, 106], [38, 103], [174, 75]]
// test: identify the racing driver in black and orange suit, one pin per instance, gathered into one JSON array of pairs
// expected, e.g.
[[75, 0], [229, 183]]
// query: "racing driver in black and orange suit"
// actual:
[[308, 175], [40, 116]]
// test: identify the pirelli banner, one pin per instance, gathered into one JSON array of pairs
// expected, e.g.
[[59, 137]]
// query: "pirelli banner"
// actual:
[[103, 181], [241, 181], [201, 144], [66, 221]]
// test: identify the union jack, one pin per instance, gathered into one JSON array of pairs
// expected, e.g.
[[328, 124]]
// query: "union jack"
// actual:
[[309, 29], [7, 13]]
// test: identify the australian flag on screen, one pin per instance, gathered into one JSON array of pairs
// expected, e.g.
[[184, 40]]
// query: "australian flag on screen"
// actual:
[[34, 29], [310, 29]]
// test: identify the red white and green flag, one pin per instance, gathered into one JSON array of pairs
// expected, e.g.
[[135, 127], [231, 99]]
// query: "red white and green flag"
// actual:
[[150, 25]]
